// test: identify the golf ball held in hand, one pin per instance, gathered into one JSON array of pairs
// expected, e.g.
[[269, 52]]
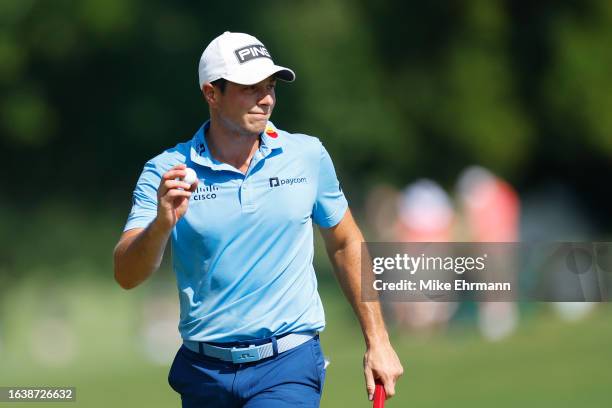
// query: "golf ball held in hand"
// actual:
[[190, 176]]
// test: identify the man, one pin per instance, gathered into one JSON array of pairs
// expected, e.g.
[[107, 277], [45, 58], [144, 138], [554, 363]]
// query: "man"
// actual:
[[242, 244]]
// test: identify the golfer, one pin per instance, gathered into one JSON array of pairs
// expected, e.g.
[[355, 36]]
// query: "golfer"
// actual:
[[242, 245]]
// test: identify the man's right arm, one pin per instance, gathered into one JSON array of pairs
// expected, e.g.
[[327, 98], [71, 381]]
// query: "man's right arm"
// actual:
[[139, 251]]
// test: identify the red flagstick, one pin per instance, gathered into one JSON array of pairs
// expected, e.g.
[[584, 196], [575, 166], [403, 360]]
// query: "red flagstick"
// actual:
[[379, 396]]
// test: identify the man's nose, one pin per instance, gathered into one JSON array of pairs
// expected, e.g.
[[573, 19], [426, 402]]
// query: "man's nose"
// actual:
[[266, 99]]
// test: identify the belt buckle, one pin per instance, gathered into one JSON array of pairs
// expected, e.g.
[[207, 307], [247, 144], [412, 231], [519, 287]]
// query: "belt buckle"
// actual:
[[245, 355]]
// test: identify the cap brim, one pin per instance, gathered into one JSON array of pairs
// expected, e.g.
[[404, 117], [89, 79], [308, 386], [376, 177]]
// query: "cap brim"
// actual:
[[251, 77]]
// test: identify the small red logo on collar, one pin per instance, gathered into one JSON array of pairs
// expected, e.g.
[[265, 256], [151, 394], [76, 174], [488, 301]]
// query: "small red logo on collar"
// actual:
[[271, 133]]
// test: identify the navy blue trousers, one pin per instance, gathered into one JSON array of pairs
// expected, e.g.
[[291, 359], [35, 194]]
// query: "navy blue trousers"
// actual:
[[291, 379]]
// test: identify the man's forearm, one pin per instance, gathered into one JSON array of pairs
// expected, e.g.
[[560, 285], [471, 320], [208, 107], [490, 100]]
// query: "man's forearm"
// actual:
[[347, 266], [137, 256], [344, 246]]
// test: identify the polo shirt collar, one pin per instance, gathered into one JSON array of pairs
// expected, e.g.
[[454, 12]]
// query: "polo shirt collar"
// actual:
[[200, 153], [270, 137]]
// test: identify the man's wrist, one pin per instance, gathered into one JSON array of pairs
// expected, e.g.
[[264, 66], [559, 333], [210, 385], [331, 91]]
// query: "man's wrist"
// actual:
[[160, 227], [377, 339]]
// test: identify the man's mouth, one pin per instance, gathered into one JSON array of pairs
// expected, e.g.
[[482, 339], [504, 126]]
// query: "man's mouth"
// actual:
[[259, 117]]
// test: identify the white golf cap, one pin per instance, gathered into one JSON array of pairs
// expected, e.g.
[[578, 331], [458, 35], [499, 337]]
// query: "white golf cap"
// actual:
[[239, 58]]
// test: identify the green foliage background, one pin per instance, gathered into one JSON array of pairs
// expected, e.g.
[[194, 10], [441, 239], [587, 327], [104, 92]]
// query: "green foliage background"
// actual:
[[396, 90]]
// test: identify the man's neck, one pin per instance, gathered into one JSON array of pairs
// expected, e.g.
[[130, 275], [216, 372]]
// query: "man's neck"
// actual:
[[231, 147]]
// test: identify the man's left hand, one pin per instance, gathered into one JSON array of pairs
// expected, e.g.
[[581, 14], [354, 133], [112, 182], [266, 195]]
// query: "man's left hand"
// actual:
[[381, 364]]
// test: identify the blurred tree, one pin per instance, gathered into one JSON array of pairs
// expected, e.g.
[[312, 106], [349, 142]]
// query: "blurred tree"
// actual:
[[341, 90], [454, 78], [396, 90], [578, 86]]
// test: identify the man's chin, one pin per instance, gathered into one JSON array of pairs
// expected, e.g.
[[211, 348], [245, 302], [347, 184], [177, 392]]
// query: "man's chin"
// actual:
[[258, 126]]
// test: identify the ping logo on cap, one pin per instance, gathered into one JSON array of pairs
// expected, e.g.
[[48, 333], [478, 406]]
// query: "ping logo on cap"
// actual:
[[251, 52]]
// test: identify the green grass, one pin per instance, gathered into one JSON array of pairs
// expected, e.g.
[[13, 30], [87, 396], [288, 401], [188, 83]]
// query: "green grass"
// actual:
[[547, 363], [65, 274]]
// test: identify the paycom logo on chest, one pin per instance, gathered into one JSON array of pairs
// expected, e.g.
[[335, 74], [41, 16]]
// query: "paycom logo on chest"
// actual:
[[276, 182]]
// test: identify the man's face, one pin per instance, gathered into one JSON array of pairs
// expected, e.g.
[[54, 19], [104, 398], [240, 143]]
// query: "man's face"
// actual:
[[246, 108]]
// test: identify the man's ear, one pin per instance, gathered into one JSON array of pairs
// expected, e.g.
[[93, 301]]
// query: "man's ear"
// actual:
[[209, 93]]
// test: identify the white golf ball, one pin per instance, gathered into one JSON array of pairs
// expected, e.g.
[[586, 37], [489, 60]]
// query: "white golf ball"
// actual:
[[190, 176]]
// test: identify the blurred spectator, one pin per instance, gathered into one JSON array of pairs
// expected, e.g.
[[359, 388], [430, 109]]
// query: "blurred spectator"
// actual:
[[425, 214], [381, 212], [553, 213], [490, 208]]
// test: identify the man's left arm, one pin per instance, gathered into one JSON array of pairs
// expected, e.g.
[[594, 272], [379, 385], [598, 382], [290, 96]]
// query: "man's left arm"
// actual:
[[381, 364]]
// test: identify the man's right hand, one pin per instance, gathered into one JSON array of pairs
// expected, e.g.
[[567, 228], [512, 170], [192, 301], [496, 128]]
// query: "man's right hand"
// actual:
[[139, 251], [173, 196]]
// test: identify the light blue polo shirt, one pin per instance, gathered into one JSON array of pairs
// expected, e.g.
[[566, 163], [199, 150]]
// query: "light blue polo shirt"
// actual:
[[243, 252]]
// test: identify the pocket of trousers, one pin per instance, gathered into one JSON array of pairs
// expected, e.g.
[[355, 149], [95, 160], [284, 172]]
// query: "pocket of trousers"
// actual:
[[173, 380], [318, 363]]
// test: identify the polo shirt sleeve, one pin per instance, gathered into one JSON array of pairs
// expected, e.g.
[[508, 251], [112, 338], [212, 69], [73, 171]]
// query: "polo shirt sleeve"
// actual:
[[330, 203], [144, 199]]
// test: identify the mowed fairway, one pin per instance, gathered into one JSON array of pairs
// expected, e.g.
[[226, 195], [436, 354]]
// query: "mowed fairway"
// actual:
[[547, 363]]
